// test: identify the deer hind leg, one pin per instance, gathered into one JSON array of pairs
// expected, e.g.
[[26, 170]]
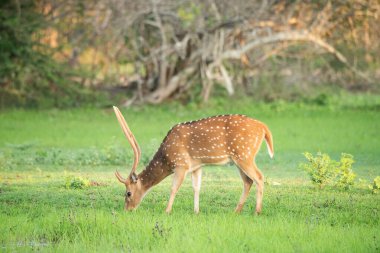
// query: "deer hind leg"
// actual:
[[259, 178], [250, 169], [196, 178], [247, 183], [179, 176]]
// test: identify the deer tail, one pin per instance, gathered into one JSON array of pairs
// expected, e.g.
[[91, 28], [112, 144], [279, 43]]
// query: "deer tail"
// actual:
[[269, 141]]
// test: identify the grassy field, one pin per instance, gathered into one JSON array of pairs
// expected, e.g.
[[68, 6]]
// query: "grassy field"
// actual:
[[40, 149]]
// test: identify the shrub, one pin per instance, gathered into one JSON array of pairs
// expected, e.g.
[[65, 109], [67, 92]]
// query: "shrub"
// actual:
[[323, 171], [345, 175], [375, 187], [320, 168], [76, 182]]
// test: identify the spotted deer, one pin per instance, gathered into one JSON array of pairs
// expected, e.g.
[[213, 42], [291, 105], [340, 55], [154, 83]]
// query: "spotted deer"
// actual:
[[190, 145]]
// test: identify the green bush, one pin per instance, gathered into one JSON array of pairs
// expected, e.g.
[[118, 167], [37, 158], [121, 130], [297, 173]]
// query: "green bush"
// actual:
[[375, 187], [323, 171], [345, 175], [76, 182]]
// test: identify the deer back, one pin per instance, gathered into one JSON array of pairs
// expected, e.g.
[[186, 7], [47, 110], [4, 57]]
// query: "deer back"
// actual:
[[213, 140]]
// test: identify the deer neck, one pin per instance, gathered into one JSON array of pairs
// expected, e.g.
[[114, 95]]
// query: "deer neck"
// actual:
[[153, 174]]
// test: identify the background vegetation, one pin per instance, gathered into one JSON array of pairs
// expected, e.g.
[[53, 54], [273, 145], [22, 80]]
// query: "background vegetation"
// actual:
[[73, 53]]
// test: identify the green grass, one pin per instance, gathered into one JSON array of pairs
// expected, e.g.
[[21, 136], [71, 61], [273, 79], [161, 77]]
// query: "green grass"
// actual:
[[39, 149]]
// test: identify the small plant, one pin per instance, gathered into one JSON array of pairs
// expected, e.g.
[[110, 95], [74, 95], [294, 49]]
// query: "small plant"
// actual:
[[160, 231], [345, 175], [76, 182], [375, 187], [323, 171], [320, 168]]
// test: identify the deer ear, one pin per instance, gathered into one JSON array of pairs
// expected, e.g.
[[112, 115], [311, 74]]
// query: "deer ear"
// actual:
[[134, 177]]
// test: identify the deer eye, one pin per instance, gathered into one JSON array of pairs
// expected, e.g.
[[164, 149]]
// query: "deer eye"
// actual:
[[128, 194]]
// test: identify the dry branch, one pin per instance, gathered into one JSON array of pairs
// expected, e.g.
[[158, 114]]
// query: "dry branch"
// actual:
[[174, 45]]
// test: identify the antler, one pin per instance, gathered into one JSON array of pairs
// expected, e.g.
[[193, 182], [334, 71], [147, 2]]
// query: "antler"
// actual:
[[121, 179], [132, 141]]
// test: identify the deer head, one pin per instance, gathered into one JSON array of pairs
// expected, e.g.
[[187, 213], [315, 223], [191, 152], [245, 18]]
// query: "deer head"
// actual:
[[134, 190]]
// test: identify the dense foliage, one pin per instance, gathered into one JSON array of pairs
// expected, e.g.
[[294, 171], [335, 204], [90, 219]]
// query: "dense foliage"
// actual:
[[29, 74], [154, 51]]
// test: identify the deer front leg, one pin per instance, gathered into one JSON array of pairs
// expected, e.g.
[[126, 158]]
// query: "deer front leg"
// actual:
[[179, 176], [196, 177]]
